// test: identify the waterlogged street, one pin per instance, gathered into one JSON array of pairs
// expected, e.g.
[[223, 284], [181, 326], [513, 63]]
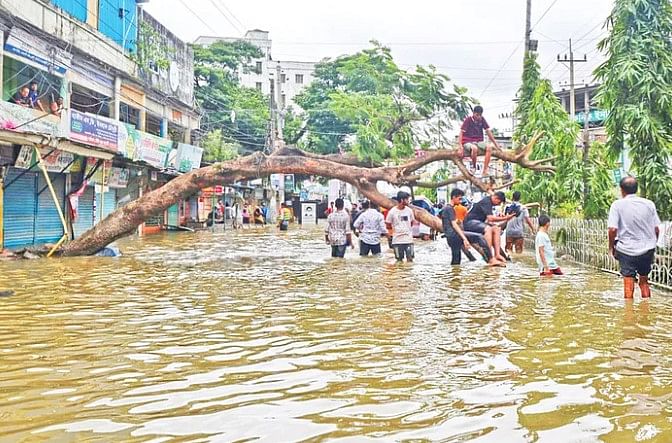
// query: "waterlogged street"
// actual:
[[259, 336]]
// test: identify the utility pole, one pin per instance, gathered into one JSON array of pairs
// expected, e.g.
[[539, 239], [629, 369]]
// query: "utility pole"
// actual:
[[571, 60], [528, 25]]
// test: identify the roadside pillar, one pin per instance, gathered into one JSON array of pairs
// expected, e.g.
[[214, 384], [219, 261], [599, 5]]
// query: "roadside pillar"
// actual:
[[115, 111]]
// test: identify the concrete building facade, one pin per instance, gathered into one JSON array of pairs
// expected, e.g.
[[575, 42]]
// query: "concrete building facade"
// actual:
[[286, 79]]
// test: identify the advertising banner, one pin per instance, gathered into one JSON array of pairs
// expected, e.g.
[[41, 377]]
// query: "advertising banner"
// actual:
[[94, 130], [141, 146], [105, 167], [119, 177], [15, 117], [188, 157], [56, 161]]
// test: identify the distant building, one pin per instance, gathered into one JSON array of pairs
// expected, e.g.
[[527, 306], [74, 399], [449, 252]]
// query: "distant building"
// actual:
[[285, 79]]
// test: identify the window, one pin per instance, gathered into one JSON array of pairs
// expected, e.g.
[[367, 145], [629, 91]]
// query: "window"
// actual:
[[258, 85], [258, 68], [283, 78], [299, 79]]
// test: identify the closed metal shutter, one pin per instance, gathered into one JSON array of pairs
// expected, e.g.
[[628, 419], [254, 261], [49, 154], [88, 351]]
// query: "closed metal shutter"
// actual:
[[19, 209], [105, 203], [173, 215], [48, 226], [84, 220]]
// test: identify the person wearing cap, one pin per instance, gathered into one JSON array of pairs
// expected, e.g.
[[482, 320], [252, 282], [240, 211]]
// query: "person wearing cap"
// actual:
[[400, 219], [482, 221], [371, 225]]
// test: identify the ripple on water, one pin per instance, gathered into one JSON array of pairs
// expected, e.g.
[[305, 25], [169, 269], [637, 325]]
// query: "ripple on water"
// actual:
[[258, 335]]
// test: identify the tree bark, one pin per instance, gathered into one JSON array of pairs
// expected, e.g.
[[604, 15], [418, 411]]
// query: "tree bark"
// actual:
[[124, 221]]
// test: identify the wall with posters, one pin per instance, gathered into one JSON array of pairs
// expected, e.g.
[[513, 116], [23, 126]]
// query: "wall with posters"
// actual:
[[140, 146]]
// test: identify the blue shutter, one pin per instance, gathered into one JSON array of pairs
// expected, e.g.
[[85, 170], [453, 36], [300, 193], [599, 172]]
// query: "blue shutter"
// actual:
[[173, 215], [84, 220], [108, 206], [120, 29], [19, 209], [76, 8], [48, 226]]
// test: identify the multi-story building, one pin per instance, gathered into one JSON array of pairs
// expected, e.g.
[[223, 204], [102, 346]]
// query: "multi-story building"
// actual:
[[285, 79], [110, 118]]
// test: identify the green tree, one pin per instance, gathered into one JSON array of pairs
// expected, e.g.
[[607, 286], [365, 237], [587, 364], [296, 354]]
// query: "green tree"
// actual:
[[546, 114], [636, 90], [216, 148], [600, 182], [366, 104], [531, 80], [240, 113]]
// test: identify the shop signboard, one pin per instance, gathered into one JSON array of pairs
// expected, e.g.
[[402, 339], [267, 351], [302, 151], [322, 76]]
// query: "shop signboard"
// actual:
[[37, 52], [276, 181], [102, 174], [18, 118], [289, 182], [141, 146], [308, 213], [188, 157], [54, 160], [94, 130], [119, 178]]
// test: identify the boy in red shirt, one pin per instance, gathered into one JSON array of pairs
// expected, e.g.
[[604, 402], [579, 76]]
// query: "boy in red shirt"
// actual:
[[471, 140]]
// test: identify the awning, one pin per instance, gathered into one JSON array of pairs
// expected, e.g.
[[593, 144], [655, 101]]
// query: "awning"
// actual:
[[27, 138]]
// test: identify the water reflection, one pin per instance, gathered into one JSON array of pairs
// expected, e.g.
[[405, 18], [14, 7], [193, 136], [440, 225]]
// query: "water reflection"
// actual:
[[260, 336]]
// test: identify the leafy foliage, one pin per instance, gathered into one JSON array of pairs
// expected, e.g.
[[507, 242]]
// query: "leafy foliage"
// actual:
[[152, 51], [219, 92], [531, 80], [216, 148], [545, 113], [636, 90], [366, 104], [600, 182]]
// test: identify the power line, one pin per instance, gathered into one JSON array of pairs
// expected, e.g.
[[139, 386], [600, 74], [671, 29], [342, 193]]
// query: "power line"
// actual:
[[197, 16], [221, 2], [544, 14], [226, 17]]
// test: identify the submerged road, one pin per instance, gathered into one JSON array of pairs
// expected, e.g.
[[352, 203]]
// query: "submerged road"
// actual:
[[259, 336]]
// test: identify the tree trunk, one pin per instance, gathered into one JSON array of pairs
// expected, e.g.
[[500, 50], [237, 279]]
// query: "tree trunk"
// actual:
[[124, 221]]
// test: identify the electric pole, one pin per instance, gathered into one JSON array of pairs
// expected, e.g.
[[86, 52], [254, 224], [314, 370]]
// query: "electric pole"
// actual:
[[571, 60], [528, 25]]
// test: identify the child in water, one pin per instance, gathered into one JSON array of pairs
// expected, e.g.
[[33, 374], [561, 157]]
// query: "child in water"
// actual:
[[544, 249]]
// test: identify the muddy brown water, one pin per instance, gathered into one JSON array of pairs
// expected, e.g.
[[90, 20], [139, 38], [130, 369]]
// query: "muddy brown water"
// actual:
[[259, 336]]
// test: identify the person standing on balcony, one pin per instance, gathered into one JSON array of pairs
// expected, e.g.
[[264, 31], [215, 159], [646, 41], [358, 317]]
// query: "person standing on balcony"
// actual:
[[634, 227]]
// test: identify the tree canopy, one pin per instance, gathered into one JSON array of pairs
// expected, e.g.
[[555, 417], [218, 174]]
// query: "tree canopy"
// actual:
[[366, 104], [219, 92], [636, 91]]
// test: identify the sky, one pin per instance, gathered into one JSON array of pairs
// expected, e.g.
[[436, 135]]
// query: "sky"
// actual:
[[477, 43]]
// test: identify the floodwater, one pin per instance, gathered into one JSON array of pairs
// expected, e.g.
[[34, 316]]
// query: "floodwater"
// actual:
[[259, 336]]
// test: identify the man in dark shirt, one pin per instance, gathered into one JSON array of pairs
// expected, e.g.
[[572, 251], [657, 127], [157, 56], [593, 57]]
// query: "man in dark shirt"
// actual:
[[471, 140], [456, 237], [22, 97], [481, 221]]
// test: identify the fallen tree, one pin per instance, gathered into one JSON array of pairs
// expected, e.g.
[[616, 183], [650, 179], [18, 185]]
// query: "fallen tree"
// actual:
[[289, 161]]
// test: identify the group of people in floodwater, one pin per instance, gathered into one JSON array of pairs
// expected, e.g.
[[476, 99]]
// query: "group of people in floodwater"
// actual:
[[480, 226], [633, 224]]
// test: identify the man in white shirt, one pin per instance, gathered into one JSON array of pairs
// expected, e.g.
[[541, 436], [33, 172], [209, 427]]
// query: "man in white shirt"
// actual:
[[633, 234], [400, 219], [371, 225]]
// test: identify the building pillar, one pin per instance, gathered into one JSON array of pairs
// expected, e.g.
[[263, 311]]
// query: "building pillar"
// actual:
[[2, 210], [115, 111], [164, 128], [2, 84], [142, 119]]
